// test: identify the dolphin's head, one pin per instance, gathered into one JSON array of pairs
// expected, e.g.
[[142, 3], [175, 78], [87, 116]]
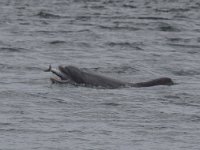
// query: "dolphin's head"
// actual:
[[72, 73]]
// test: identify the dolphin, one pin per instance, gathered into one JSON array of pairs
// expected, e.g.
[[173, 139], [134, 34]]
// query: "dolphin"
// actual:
[[75, 76]]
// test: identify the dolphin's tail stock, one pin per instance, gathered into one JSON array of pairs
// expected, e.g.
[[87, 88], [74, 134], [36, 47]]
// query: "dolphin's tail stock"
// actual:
[[159, 81]]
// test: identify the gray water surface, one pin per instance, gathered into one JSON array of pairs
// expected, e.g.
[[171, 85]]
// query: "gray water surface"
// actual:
[[131, 40]]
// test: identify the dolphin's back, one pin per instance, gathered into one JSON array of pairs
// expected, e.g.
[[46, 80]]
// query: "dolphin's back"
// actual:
[[92, 79]]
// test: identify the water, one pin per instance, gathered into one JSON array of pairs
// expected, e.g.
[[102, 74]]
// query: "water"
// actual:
[[133, 40]]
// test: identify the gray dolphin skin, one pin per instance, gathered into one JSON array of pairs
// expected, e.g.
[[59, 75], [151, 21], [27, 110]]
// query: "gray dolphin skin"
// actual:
[[75, 76]]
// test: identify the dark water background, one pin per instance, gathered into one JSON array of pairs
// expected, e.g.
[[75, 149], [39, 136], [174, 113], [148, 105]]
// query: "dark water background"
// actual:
[[134, 40]]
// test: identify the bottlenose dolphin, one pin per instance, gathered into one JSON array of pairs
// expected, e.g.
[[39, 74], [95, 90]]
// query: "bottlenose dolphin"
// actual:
[[76, 76]]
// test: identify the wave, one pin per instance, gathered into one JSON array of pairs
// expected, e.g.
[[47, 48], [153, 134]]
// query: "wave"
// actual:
[[125, 44], [12, 49], [46, 15]]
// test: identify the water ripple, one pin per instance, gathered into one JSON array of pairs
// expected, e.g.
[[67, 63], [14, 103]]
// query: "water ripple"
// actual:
[[46, 15]]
